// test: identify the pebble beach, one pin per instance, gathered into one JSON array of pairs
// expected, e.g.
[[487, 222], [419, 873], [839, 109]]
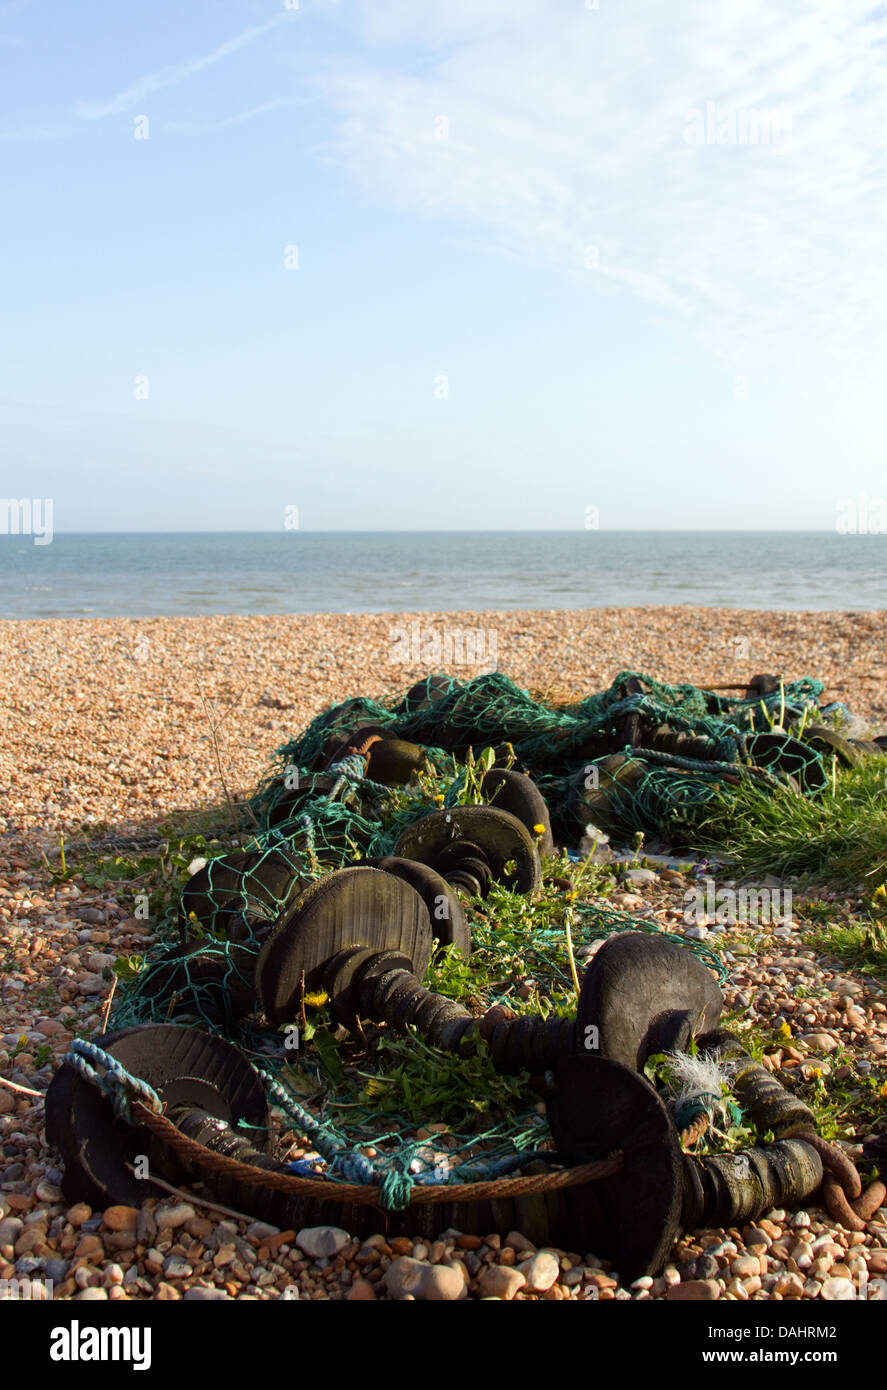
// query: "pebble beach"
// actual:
[[108, 726]]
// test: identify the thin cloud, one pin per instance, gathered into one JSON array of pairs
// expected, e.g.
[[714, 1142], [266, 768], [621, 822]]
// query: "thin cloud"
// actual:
[[618, 145], [175, 73], [209, 127]]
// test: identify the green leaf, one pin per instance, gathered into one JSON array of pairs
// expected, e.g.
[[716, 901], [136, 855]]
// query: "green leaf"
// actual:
[[126, 968]]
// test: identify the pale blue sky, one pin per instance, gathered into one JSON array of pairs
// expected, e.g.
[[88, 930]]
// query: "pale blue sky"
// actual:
[[514, 195]]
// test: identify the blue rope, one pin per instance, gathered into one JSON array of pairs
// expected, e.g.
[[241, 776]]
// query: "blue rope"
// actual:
[[119, 1085]]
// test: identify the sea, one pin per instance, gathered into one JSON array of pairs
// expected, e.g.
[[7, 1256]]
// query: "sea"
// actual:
[[143, 575]]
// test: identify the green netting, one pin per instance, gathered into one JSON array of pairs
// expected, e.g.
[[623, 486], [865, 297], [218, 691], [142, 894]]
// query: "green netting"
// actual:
[[317, 812]]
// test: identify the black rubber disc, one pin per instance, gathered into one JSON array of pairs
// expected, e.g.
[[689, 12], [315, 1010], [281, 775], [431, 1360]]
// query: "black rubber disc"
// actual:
[[644, 995], [828, 742], [595, 1107], [507, 790], [780, 753], [263, 880], [444, 908], [392, 761], [353, 907], [182, 1064], [506, 843], [426, 692]]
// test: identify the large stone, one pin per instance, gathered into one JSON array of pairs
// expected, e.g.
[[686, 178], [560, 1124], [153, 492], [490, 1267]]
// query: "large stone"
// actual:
[[498, 1281], [433, 1283], [541, 1271], [322, 1242], [201, 1294]]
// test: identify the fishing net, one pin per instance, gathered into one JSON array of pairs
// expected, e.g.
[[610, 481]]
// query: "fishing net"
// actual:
[[642, 756]]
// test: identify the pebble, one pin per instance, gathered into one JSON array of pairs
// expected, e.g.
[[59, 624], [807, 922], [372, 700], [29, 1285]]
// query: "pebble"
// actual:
[[497, 1281], [320, 1242], [838, 1290], [11, 1228], [408, 1277], [361, 1291], [541, 1271], [821, 1042], [121, 1218], [705, 1290], [199, 1293], [169, 1218], [260, 1231], [519, 1242], [639, 876]]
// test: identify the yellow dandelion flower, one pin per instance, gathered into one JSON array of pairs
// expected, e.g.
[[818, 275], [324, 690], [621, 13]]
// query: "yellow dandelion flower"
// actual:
[[784, 1030], [316, 999], [816, 1073], [538, 829], [439, 798], [570, 897], [880, 891], [882, 1089]]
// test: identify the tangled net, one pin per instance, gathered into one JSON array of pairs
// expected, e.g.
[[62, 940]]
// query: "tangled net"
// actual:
[[419, 1115]]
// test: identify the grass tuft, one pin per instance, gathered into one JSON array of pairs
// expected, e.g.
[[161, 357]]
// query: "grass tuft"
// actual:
[[839, 836]]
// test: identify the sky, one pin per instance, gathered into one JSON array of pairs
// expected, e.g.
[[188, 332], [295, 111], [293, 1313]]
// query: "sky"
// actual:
[[443, 264]]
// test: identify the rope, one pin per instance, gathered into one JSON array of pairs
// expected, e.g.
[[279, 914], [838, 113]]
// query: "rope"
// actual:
[[117, 1084], [371, 1195]]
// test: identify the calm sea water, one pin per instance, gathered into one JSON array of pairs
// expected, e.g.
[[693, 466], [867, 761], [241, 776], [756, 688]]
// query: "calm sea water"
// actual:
[[81, 576]]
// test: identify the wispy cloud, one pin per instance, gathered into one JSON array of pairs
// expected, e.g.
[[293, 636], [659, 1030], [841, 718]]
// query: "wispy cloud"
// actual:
[[571, 137], [210, 126], [171, 76]]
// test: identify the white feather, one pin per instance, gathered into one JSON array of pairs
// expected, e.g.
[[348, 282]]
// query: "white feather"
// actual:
[[693, 1077]]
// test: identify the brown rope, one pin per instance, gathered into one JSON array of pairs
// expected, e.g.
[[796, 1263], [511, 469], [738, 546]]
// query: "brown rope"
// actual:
[[693, 1132], [210, 1162]]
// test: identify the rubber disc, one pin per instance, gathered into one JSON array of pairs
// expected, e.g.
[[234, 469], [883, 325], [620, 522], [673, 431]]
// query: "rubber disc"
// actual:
[[444, 908], [505, 842], [644, 995], [180, 1064], [353, 907], [595, 1107], [507, 790]]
